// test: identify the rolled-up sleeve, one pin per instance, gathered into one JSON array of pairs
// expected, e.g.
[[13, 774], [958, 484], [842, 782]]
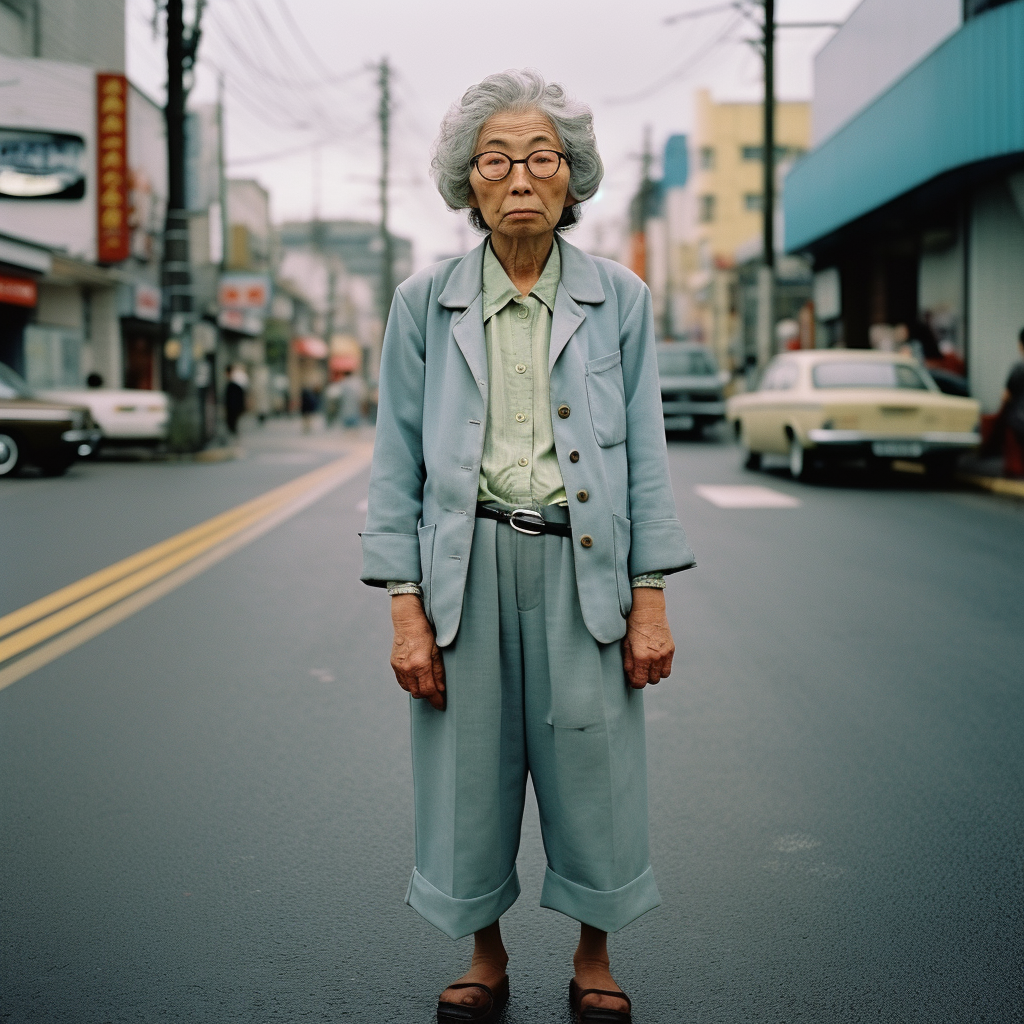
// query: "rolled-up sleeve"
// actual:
[[657, 540], [391, 549]]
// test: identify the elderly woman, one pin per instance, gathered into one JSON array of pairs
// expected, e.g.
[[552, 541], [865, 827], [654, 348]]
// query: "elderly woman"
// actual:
[[522, 520]]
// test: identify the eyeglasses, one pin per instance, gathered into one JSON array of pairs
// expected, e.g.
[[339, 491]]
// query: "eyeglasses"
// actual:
[[542, 163]]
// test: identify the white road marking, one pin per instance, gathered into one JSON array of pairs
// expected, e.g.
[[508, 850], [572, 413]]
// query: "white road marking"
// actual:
[[745, 496]]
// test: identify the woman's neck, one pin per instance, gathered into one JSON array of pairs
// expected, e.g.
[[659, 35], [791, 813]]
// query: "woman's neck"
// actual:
[[523, 259]]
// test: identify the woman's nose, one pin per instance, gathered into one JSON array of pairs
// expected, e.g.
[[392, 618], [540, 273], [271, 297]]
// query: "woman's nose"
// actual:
[[520, 183]]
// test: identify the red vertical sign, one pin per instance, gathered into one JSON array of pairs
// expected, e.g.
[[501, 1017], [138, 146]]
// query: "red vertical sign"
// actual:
[[112, 168]]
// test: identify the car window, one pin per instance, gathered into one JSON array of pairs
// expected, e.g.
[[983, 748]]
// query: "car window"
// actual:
[[781, 376], [868, 374], [11, 385], [685, 362]]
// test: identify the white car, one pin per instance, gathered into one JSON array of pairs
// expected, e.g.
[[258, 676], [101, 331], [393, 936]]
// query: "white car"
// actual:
[[824, 407], [125, 415]]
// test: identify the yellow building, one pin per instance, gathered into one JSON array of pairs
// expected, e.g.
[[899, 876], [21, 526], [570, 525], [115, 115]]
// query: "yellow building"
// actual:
[[724, 208]]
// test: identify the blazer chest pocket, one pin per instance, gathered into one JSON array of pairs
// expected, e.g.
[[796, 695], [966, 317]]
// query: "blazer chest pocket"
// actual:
[[607, 398]]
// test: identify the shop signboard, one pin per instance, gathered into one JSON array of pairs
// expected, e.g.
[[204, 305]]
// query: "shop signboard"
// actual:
[[113, 237], [41, 165], [243, 300], [18, 291], [147, 302], [47, 153]]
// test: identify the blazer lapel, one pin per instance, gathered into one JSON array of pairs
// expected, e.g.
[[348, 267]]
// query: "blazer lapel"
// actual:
[[468, 332], [565, 319], [464, 290], [580, 283]]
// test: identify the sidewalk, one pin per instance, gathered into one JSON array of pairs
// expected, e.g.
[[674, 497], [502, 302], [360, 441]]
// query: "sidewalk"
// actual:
[[986, 472], [281, 437]]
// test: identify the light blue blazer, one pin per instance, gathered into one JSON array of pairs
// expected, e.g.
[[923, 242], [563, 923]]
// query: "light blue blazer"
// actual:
[[432, 416]]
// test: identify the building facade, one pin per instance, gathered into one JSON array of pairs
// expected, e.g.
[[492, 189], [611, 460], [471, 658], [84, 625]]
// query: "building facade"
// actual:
[[718, 218], [911, 205]]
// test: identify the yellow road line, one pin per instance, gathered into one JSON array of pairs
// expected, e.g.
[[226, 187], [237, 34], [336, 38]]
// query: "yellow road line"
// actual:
[[96, 581], [183, 558]]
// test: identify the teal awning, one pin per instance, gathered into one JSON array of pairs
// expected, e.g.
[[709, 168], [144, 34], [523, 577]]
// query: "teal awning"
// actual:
[[963, 104]]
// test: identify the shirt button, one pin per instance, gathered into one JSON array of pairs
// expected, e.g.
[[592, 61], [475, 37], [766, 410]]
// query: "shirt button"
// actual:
[[520, 417], [524, 461], [520, 367], [586, 541], [582, 495], [574, 456], [563, 411], [523, 313]]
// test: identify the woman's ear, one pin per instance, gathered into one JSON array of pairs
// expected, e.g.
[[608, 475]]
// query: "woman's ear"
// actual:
[[570, 200], [472, 200]]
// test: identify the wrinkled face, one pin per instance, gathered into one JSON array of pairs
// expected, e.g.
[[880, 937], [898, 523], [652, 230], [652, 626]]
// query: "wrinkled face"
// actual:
[[520, 205]]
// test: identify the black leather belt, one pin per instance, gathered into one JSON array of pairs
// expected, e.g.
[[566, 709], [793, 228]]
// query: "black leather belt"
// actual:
[[525, 520]]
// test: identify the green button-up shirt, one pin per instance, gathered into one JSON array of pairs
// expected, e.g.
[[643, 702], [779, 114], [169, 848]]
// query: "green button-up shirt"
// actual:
[[519, 465]]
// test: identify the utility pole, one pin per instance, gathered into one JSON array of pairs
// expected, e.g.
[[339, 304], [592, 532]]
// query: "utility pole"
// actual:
[[387, 283], [176, 277], [765, 325]]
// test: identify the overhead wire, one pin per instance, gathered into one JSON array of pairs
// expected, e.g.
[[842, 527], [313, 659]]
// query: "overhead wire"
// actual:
[[684, 68]]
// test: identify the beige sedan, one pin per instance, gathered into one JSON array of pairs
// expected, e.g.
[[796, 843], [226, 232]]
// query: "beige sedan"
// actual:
[[843, 405]]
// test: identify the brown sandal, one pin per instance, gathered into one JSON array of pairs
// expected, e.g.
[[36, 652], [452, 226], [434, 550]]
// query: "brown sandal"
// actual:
[[597, 1014], [456, 1013]]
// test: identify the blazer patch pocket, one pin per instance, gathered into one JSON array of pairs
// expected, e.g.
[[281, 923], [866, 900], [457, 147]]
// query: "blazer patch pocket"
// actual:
[[607, 397]]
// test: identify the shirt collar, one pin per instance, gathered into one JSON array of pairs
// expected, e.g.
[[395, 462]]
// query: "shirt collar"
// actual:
[[499, 290]]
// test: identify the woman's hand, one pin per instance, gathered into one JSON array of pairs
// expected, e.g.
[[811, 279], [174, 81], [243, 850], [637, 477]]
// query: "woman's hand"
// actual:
[[647, 648], [414, 654]]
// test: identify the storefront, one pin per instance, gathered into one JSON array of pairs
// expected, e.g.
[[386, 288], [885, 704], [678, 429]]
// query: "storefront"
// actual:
[[913, 209]]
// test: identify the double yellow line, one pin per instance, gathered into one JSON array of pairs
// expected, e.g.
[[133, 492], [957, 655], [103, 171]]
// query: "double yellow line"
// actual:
[[22, 632]]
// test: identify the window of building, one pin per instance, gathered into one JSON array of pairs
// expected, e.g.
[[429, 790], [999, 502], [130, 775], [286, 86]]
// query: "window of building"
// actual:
[[707, 158], [752, 202], [706, 209]]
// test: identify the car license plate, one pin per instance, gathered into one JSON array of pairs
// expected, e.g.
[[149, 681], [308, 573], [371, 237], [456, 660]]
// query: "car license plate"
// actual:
[[897, 449]]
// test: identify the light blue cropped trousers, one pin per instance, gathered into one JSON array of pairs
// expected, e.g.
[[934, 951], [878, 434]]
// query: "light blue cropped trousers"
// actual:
[[529, 692]]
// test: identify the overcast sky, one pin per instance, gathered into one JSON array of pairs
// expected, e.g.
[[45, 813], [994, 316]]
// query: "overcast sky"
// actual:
[[299, 82]]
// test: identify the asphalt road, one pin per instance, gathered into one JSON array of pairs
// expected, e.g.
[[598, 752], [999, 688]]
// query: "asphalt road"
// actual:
[[205, 812]]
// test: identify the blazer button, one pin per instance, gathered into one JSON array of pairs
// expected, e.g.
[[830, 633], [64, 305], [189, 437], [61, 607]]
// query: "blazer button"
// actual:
[[574, 456], [582, 495], [563, 411], [586, 541]]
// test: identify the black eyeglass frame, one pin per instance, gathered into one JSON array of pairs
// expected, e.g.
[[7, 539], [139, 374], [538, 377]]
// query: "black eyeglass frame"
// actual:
[[526, 160]]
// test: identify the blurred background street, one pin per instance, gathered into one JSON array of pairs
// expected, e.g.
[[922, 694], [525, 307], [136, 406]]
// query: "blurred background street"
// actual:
[[205, 209]]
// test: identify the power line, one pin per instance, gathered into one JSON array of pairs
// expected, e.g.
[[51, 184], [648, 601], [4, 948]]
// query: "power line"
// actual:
[[688, 65]]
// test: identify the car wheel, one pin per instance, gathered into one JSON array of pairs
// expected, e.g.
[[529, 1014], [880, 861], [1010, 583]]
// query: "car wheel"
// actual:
[[751, 460], [800, 462], [10, 455]]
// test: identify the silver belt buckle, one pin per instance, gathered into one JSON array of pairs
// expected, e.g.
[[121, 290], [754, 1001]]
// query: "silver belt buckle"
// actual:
[[532, 517]]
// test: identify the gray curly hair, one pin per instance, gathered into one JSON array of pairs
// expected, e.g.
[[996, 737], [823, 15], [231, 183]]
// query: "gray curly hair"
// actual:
[[516, 91]]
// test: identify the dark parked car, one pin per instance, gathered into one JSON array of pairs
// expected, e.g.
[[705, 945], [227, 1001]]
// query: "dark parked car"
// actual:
[[691, 386], [49, 435]]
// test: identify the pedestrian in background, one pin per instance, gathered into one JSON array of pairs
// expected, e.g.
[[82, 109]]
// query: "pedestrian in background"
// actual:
[[1012, 415], [234, 396], [521, 516], [309, 402]]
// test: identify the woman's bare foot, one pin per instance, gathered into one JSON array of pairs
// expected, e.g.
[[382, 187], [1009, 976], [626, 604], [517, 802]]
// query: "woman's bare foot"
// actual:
[[487, 968], [592, 970]]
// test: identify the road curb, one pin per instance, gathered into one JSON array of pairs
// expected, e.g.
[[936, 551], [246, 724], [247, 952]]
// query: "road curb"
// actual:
[[995, 484]]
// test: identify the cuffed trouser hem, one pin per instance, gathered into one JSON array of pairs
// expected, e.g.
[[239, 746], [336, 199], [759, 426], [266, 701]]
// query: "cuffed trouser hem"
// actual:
[[607, 910], [457, 918]]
